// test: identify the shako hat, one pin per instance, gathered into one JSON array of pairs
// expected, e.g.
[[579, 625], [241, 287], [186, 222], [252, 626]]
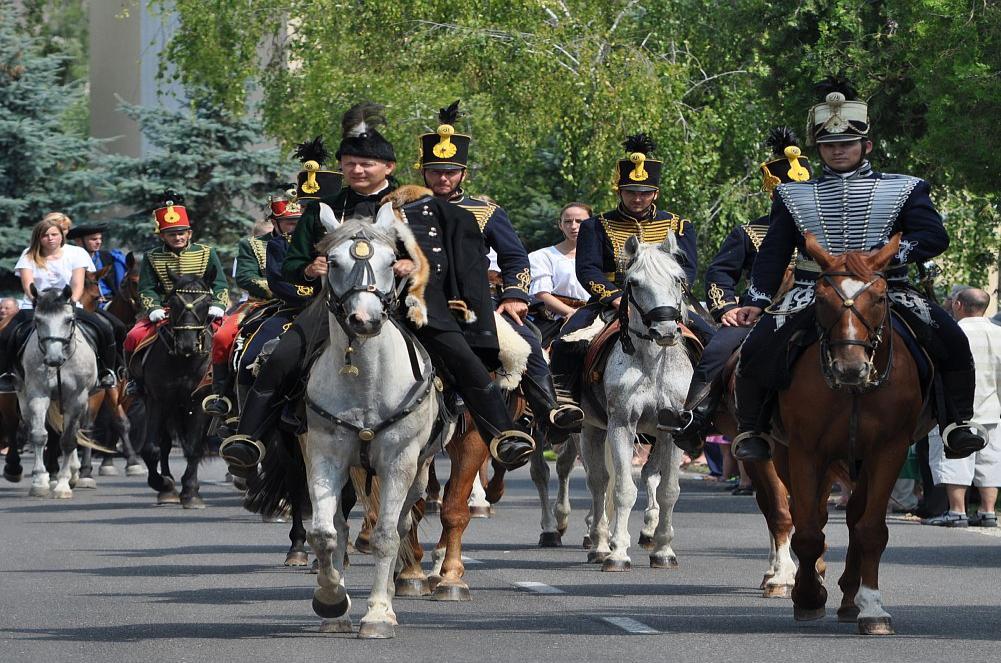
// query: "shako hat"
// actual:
[[285, 205], [638, 171], [444, 149], [840, 117], [359, 135], [787, 163], [313, 181], [172, 215]]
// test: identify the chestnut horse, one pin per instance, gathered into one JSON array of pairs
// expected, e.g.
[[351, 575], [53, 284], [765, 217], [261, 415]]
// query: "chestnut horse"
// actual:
[[855, 396]]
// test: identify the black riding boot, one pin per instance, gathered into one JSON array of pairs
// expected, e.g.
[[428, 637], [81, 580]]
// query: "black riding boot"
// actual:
[[566, 360], [750, 443], [7, 385], [107, 359], [700, 405], [217, 404], [556, 420], [245, 450], [508, 445], [960, 438]]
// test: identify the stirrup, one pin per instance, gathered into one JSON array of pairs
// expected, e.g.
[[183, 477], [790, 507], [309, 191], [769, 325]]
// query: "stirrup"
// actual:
[[674, 422], [236, 461], [978, 431], [8, 383], [742, 440], [214, 398], [570, 411], [518, 437]]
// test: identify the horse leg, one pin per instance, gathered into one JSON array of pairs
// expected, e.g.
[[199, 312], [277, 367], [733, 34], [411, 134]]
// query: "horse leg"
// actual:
[[411, 580], [467, 454], [592, 448], [619, 460], [651, 478], [432, 504], [479, 507], [69, 461], [36, 409], [549, 538], [566, 456], [809, 594], [298, 500], [665, 457], [399, 485], [773, 501], [122, 429], [882, 465], [83, 477], [326, 468], [850, 578], [192, 442], [151, 451]]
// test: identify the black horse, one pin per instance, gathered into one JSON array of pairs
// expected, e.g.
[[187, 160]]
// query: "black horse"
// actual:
[[171, 371]]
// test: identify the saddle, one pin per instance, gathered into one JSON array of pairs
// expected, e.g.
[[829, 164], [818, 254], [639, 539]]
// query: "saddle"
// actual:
[[22, 333], [603, 344]]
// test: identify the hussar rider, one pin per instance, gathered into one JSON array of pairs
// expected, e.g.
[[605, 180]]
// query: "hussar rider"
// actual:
[[849, 207]]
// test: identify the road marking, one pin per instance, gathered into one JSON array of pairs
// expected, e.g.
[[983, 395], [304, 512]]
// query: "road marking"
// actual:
[[630, 625], [470, 560], [538, 587]]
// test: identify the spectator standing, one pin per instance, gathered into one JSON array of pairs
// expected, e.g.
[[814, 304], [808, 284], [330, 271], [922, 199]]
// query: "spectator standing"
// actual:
[[8, 309]]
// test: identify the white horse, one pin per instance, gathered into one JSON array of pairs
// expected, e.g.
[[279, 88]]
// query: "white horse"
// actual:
[[635, 386], [60, 370], [366, 408]]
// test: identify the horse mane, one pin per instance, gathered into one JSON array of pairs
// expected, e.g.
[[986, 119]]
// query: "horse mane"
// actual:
[[349, 229], [50, 300], [185, 280]]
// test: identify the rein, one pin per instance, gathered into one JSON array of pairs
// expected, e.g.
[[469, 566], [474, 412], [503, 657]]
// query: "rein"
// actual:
[[656, 314], [189, 307]]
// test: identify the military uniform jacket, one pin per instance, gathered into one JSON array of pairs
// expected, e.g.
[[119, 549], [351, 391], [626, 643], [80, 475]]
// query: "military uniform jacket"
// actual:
[[499, 235], [601, 258], [451, 240], [293, 295], [251, 260], [733, 261], [155, 280]]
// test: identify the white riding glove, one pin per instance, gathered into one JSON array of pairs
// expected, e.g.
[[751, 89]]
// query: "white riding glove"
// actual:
[[157, 314], [216, 312]]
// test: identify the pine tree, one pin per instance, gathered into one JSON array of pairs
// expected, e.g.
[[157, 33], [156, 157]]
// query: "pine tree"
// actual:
[[43, 167]]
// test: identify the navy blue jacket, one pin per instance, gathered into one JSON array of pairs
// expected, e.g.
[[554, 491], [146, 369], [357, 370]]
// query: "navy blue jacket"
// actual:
[[295, 295], [601, 259], [733, 261], [500, 235]]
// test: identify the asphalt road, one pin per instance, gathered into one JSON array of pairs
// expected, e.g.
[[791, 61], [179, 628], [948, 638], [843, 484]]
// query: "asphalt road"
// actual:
[[110, 577]]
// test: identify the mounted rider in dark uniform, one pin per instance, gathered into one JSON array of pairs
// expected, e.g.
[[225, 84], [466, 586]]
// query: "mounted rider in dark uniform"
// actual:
[[443, 158], [733, 261], [849, 207], [601, 257], [454, 248]]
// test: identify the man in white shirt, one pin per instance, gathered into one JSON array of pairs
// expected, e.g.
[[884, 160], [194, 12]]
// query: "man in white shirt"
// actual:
[[982, 469]]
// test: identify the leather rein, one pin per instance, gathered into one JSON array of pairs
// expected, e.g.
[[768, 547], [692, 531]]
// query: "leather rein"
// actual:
[[169, 331], [656, 314]]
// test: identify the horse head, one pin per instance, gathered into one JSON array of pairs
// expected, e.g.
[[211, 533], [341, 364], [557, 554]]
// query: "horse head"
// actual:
[[652, 306], [188, 318], [359, 289], [55, 324], [852, 310], [92, 288]]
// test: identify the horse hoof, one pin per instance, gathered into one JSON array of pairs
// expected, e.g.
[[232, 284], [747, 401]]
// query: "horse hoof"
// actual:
[[62, 493], [108, 471], [848, 614], [645, 542], [364, 546], [777, 592], [412, 588], [87, 483], [451, 592], [875, 626], [479, 512], [595, 557], [342, 625], [432, 506], [38, 491], [562, 529], [586, 545], [136, 470], [332, 611], [550, 540], [168, 496], [765, 579], [193, 502], [314, 568], [616, 565], [433, 582], [808, 614], [297, 558], [13, 478], [663, 562], [376, 630], [347, 561]]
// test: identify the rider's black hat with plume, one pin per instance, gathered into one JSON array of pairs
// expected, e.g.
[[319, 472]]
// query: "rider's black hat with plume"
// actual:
[[313, 181], [444, 149], [841, 116], [360, 136], [638, 171], [786, 163]]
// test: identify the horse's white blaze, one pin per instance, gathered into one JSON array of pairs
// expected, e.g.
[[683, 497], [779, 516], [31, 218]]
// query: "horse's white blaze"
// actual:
[[870, 603], [852, 287]]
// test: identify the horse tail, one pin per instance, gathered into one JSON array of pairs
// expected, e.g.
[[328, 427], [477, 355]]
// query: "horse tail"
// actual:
[[269, 492], [368, 491]]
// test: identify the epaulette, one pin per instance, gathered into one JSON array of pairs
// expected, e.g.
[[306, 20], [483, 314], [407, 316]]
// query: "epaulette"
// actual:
[[480, 208], [756, 233]]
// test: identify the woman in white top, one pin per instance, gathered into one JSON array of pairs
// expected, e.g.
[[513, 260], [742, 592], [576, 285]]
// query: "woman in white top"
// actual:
[[49, 263], [554, 268]]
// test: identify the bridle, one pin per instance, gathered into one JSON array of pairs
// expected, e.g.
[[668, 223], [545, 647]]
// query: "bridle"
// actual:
[[874, 336], [169, 331], [68, 341], [656, 314]]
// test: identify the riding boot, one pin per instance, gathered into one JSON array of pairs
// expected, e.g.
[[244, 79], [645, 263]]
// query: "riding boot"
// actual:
[[961, 437], [244, 450], [566, 360], [751, 443], [508, 445], [217, 404], [8, 384], [107, 356], [700, 405], [557, 421]]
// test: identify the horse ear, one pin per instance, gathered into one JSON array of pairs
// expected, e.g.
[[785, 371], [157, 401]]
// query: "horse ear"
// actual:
[[817, 252], [632, 246], [101, 273], [386, 219], [67, 292], [670, 244], [130, 260], [882, 257], [173, 275], [33, 290]]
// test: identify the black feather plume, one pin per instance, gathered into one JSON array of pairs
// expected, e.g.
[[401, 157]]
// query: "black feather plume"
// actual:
[[312, 151], [288, 185], [639, 143], [836, 83], [362, 118], [171, 197], [779, 138], [449, 115]]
